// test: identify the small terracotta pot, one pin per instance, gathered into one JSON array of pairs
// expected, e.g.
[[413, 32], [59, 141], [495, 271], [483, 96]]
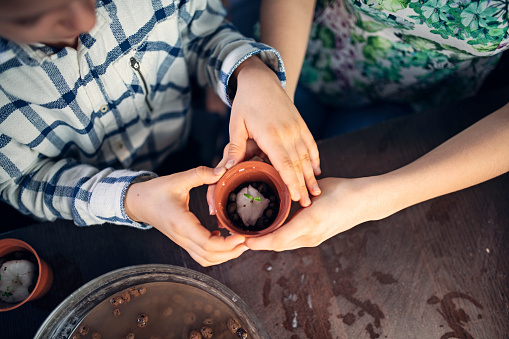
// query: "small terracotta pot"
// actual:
[[246, 172], [45, 274]]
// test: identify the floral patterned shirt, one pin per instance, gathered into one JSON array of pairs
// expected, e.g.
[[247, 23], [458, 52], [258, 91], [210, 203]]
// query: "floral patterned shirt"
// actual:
[[424, 52]]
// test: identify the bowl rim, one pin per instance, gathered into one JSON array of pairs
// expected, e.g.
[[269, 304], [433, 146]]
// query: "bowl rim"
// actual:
[[63, 320]]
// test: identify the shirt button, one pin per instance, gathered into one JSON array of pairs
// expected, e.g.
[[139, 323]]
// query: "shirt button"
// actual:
[[120, 145], [103, 108]]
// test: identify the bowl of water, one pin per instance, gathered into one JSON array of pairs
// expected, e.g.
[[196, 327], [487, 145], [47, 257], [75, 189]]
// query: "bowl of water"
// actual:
[[152, 301]]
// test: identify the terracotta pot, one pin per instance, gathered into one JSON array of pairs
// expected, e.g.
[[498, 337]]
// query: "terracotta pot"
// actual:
[[246, 172], [45, 274]]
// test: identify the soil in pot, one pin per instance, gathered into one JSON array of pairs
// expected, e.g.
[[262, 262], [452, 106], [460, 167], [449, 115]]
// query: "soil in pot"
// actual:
[[269, 214]]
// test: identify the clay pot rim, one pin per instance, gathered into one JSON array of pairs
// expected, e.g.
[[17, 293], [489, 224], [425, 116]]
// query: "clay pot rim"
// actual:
[[12, 245], [277, 183]]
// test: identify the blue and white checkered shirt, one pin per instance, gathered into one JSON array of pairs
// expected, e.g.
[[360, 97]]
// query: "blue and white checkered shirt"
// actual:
[[78, 126]]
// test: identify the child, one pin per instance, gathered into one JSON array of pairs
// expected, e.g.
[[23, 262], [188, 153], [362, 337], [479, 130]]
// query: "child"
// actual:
[[95, 95]]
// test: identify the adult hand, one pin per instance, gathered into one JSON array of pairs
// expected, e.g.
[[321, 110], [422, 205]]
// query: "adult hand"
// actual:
[[262, 111], [343, 204], [475, 155], [164, 203]]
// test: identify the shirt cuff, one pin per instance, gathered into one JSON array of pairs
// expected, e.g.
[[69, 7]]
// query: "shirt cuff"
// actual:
[[113, 188], [267, 54]]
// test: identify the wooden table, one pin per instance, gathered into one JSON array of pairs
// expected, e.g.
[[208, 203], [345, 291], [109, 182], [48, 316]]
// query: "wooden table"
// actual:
[[436, 270]]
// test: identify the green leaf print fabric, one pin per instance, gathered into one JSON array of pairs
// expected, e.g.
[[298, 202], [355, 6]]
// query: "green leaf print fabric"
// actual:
[[423, 52]]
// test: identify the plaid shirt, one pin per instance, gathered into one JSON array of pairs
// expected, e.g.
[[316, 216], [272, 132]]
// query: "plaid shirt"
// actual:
[[77, 127]]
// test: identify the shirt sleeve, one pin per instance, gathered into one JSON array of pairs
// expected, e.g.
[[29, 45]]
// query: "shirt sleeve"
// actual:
[[47, 189], [214, 48]]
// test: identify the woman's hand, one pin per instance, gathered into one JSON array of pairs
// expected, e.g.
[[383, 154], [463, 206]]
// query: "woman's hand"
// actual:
[[164, 203], [343, 204], [262, 111], [475, 155]]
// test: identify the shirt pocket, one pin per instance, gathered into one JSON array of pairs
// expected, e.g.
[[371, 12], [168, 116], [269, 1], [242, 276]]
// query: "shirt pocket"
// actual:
[[155, 73]]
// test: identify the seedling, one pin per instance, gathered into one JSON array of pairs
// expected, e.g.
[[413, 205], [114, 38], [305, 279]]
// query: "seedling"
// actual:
[[249, 196]]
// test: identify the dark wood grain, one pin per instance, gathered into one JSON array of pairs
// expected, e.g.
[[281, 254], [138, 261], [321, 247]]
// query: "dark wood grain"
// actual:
[[435, 270]]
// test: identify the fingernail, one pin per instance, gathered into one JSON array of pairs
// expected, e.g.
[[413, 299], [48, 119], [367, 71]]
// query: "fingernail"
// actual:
[[229, 164], [318, 170], [218, 170], [307, 201], [316, 189], [211, 209]]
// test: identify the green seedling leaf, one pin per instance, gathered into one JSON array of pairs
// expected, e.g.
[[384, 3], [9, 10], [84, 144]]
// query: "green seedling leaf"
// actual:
[[6, 293], [249, 196]]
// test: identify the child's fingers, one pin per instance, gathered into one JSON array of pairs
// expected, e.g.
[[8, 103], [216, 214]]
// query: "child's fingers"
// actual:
[[215, 249], [198, 176], [210, 199], [209, 259]]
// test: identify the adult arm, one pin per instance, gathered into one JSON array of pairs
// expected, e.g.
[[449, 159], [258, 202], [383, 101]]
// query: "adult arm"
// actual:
[[479, 153], [285, 25]]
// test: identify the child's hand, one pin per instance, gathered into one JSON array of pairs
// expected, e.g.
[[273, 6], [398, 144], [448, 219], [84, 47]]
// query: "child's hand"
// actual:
[[262, 111], [164, 203]]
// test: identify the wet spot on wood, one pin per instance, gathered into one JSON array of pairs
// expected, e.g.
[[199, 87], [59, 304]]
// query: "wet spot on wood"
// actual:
[[384, 278], [433, 300], [345, 285], [371, 332], [283, 282], [266, 292], [349, 319], [455, 317], [294, 288]]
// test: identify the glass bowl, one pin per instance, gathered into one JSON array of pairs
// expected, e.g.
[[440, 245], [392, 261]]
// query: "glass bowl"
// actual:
[[151, 292]]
